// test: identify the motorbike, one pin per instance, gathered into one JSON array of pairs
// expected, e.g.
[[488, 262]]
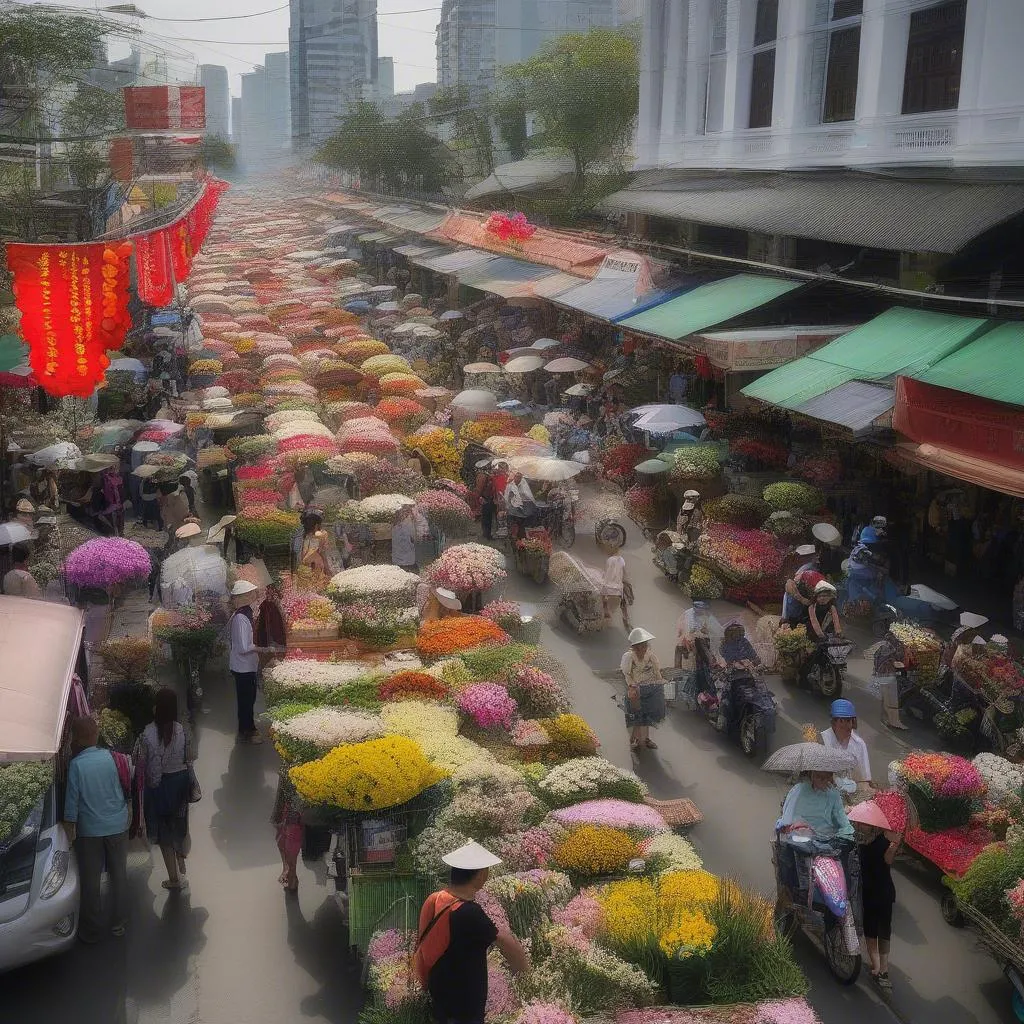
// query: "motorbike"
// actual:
[[811, 894], [824, 670], [673, 556], [734, 700]]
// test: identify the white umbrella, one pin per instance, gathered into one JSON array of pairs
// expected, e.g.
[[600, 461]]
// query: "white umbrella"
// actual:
[[126, 365], [389, 307], [567, 364], [579, 390], [14, 533], [452, 314], [808, 757], [524, 364], [476, 398], [63, 451], [554, 470], [669, 419], [481, 368], [542, 343], [198, 569]]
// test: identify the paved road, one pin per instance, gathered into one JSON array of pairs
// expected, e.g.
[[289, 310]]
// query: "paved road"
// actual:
[[235, 950]]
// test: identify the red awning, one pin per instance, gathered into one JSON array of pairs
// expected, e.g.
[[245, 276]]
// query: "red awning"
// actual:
[[993, 475], [985, 432]]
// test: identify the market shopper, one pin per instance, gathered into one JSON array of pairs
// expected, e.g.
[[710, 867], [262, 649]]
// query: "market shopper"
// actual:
[[616, 588], [270, 625], [410, 528], [244, 659], [19, 582], [287, 821], [843, 736], [454, 936], [486, 494], [645, 689], [96, 817], [164, 757]]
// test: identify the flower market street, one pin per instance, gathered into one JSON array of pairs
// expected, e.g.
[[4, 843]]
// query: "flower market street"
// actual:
[[233, 950]]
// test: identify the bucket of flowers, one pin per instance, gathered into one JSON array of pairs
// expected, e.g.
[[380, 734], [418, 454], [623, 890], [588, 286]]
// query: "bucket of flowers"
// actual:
[[533, 554], [945, 789]]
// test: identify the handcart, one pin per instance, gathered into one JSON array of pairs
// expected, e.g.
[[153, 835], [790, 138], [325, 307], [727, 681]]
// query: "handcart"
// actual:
[[581, 604], [1006, 952]]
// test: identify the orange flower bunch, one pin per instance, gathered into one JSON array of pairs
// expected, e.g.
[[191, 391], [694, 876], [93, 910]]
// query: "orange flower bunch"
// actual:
[[412, 686], [443, 637]]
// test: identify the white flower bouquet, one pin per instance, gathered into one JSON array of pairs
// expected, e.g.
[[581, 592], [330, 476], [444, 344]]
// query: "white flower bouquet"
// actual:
[[374, 582]]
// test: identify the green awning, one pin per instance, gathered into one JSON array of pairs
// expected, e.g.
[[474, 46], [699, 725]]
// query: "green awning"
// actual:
[[989, 367], [13, 352], [900, 341], [709, 305]]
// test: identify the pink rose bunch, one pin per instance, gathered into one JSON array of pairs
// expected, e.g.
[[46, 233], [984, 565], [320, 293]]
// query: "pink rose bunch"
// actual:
[[445, 510], [464, 567], [258, 496], [501, 996], [536, 692], [634, 818], [529, 849], [582, 913], [107, 562], [740, 555], [258, 471], [488, 705], [374, 444]]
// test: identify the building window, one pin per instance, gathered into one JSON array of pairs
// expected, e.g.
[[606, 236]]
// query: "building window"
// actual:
[[762, 73], [714, 97], [934, 55], [841, 75]]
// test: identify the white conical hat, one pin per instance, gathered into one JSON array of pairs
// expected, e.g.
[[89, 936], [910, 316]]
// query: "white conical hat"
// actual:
[[471, 857]]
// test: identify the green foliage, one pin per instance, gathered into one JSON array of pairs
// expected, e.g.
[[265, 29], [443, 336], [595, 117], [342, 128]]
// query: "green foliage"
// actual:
[[472, 125], [984, 884], [134, 701], [391, 154], [584, 88], [792, 496], [492, 661], [510, 119], [217, 153], [21, 786]]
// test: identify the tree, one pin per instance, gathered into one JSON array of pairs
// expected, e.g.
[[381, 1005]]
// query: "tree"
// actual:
[[217, 153], [584, 89], [471, 119], [510, 118]]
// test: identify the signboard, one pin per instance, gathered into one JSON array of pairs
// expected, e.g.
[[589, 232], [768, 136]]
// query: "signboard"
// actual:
[[164, 107]]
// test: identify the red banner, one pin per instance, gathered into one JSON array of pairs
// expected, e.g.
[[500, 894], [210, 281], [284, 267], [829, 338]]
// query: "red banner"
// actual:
[[961, 422], [162, 107], [74, 307], [122, 159], [153, 267]]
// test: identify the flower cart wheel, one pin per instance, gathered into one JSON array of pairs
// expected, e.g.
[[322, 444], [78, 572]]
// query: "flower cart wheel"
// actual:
[[784, 920], [609, 534], [842, 966], [752, 735], [951, 911], [830, 682]]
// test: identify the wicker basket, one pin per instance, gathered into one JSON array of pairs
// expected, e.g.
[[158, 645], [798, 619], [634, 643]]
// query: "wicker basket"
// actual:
[[328, 631]]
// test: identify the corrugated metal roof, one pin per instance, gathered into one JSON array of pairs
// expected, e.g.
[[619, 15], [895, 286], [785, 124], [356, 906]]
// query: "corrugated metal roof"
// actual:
[[511, 278], [708, 305], [854, 405], [900, 341], [519, 175], [907, 215], [453, 262], [613, 299], [990, 367], [377, 236], [415, 249]]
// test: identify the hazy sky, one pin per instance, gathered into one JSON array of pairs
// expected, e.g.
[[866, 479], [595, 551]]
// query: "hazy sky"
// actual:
[[406, 32]]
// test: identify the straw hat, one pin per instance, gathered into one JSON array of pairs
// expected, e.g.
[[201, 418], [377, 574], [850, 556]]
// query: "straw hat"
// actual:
[[826, 533], [869, 813], [970, 620], [243, 588], [217, 530], [447, 599], [25, 506], [187, 531], [804, 551], [639, 635]]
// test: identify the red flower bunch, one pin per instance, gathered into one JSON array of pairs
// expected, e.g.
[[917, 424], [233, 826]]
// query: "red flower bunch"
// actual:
[[769, 454], [258, 471], [510, 227], [620, 460], [258, 496], [741, 556], [238, 381], [539, 542], [492, 424], [640, 504], [401, 411], [307, 442], [442, 637], [894, 807], [412, 686], [819, 469], [954, 850]]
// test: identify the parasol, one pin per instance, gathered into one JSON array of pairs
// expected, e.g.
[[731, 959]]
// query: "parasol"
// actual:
[[652, 466], [481, 368], [549, 470], [579, 390], [476, 398], [524, 364], [200, 569], [544, 343], [14, 533], [506, 446], [63, 451], [452, 314], [665, 419], [567, 364], [125, 365], [808, 757], [94, 463]]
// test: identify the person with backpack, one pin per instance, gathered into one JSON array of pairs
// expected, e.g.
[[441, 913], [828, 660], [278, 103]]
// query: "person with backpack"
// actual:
[[97, 815], [454, 937]]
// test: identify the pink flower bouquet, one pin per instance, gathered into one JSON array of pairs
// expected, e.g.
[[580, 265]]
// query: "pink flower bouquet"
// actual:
[[634, 818], [488, 705], [466, 567], [447, 511], [107, 562]]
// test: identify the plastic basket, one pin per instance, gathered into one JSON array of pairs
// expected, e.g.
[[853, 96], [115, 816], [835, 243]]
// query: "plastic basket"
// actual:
[[372, 898]]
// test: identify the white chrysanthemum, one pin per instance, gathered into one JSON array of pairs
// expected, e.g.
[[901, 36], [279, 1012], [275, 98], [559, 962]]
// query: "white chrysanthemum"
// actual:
[[327, 728]]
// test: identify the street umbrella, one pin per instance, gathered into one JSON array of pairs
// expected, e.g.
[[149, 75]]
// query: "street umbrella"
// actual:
[[476, 398], [524, 364], [652, 466], [808, 757], [125, 365], [389, 307], [481, 368], [512, 353], [63, 451], [553, 470], [382, 289], [579, 390], [14, 533], [667, 419], [567, 364], [357, 306], [452, 314], [542, 343]]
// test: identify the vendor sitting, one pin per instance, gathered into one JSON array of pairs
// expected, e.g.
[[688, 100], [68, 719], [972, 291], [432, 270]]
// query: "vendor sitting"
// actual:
[[436, 602]]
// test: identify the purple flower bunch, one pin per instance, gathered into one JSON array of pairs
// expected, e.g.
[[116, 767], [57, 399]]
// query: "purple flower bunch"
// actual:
[[106, 562], [488, 705], [536, 692], [634, 818]]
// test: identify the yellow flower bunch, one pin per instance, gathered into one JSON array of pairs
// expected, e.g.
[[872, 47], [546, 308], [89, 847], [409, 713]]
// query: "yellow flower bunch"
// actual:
[[595, 850], [691, 932], [570, 735], [539, 433], [366, 776], [243, 344], [689, 888], [439, 449], [629, 908], [420, 720], [377, 366], [198, 366], [245, 400], [449, 753], [194, 420]]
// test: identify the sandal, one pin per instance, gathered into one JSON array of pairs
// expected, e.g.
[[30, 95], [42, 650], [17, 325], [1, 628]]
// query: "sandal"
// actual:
[[634, 744], [882, 980], [650, 745]]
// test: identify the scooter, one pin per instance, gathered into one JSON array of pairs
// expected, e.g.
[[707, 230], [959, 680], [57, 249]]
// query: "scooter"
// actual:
[[825, 670], [734, 701]]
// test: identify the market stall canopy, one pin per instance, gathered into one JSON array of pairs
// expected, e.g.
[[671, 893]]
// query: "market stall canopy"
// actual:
[[453, 262], [415, 250], [545, 343], [624, 286], [62, 451], [899, 341], [708, 305], [580, 390], [547, 470], [511, 278], [524, 364], [995, 476], [481, 368], [39, 645], [14, 532], [763, 348], [475, 398], [858, 405], [666, 419], [567, 364]]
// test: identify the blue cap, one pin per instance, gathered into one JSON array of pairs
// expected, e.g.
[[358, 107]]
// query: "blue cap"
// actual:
[[869, 535], [843, 709]]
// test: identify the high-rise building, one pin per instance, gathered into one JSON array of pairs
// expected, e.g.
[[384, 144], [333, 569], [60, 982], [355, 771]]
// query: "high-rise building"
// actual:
[[385, 77], [333, 47], [252, 130], [475, 38], [214, 79], [278, 100], [236, 119]]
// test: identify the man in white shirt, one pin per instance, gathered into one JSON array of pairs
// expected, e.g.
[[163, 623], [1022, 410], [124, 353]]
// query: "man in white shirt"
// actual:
[[518, 494], [244, 658], [843, 736], [409, 528]]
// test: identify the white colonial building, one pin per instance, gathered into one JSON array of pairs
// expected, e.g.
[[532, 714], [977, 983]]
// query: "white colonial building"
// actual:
[[789, 84]]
